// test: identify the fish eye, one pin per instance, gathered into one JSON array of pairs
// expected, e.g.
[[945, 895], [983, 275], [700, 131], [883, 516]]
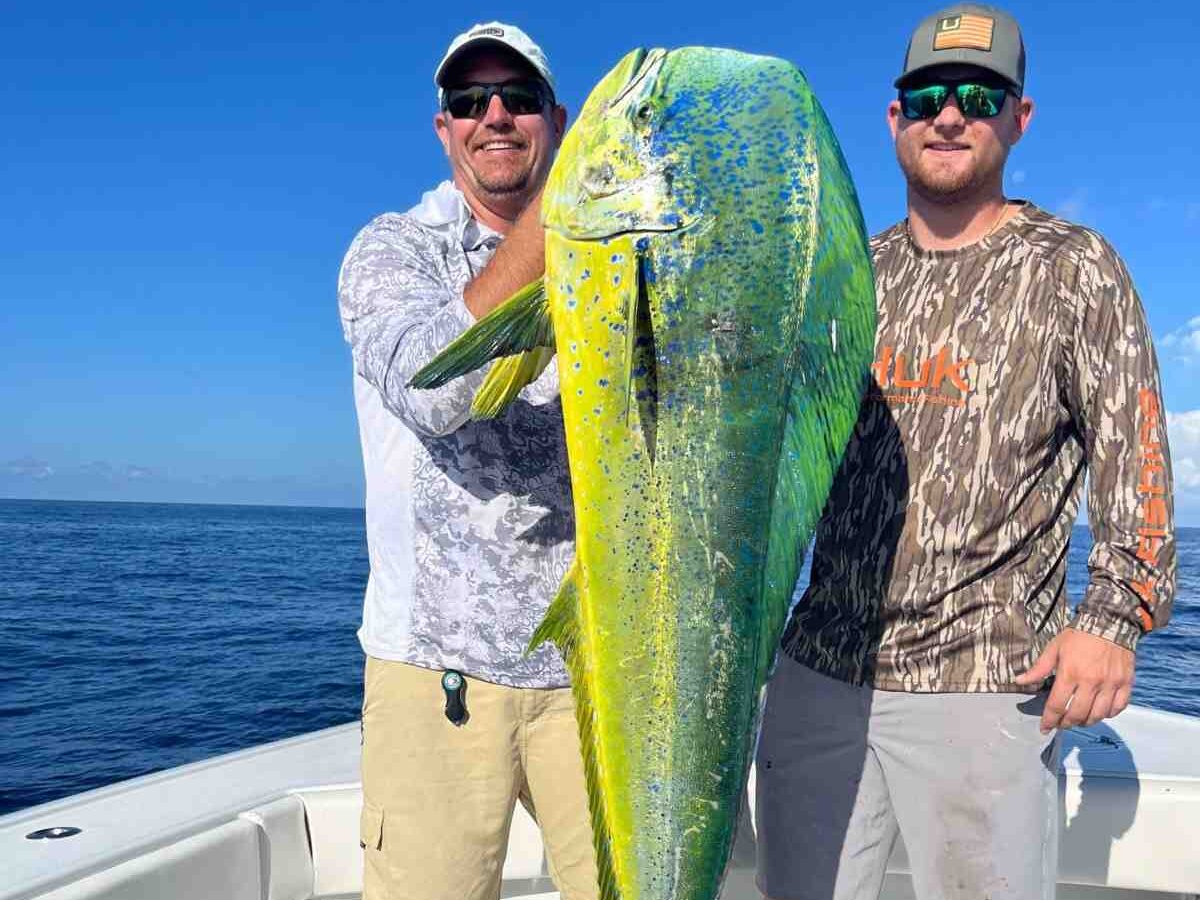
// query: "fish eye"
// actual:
[[645, 113]]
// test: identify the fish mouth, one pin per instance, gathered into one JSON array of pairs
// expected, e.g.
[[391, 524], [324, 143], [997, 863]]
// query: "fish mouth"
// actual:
[[606, 211], [627, 181]]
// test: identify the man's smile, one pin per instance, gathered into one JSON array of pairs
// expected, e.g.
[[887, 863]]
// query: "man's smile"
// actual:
[[946, 147], [500, 146]]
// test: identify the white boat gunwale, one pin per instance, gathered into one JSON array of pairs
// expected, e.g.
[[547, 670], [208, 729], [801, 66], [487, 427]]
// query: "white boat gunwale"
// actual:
[[298, 799]]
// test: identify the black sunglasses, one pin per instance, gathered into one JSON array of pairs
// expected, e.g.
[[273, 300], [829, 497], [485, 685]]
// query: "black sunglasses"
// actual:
[[976, 99], [520, 98]]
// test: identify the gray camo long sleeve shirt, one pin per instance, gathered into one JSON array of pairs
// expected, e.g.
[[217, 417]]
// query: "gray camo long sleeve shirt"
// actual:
[[470, 526], [1004, 372]]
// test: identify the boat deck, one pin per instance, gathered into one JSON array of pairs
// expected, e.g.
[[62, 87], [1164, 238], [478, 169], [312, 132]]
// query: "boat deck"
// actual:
[[280, 822]]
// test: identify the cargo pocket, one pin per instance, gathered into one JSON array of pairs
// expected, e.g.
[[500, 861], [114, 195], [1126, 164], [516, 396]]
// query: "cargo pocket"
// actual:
[[370, 827]]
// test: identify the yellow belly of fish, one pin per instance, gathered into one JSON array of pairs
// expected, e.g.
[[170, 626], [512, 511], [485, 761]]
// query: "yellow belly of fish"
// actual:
[[626, 645]]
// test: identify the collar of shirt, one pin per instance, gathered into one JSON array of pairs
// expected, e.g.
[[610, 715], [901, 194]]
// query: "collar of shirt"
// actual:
[[445, 209]]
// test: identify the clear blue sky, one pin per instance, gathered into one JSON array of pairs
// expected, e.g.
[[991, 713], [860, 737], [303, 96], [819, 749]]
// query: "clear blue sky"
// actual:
[[180, 183]]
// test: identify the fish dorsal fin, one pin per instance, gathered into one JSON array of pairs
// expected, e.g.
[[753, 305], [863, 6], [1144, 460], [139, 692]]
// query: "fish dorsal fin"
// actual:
[[519, 324], [506, 379], [561, 626]]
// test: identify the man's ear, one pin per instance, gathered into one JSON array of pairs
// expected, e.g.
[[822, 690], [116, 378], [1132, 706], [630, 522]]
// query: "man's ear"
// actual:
[[559, 117], [1023, 115], [441, 126], [893, 118]]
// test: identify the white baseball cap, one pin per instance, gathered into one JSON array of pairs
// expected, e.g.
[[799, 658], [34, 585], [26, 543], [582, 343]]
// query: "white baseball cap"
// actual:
[[502, 35]]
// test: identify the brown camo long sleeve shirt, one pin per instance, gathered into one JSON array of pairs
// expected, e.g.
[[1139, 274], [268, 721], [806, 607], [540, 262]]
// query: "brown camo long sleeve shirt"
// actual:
[[1004, 371]]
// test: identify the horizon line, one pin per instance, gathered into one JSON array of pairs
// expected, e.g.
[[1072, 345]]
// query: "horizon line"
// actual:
[[184, 503]]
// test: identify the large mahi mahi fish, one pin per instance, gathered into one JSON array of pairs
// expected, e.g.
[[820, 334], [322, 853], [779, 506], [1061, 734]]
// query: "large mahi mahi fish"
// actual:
[[709, 294]]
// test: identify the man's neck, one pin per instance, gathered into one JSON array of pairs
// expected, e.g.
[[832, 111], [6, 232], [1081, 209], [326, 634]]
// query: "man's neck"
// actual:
[[496, 221], [497, 216], [937, 226]]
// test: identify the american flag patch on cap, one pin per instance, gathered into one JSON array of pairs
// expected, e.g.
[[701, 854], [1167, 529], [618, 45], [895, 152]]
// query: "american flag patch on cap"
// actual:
[[963, 31]]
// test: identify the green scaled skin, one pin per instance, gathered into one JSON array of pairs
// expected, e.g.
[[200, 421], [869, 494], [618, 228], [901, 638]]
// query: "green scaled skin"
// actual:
[[709, 294]]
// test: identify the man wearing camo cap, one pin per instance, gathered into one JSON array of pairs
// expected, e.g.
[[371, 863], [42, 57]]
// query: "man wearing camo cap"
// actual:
[[913, 695], [469, 524]]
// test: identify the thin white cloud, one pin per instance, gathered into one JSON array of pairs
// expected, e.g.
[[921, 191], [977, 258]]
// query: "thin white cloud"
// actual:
[[1019, 176], [38, 479], [106, 471], [28, 467], [1183, 433], [1183, 343], [99, 470], [1075, 206]]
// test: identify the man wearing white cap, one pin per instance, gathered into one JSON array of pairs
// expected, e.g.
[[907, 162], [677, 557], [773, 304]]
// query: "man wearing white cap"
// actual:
[[469, 523]]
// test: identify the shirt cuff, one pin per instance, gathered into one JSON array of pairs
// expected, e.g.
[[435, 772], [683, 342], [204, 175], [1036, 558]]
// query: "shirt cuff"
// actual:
[[1108, 625]]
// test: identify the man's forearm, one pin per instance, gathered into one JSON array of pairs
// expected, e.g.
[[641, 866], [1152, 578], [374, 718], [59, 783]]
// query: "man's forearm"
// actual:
[[520, 259]]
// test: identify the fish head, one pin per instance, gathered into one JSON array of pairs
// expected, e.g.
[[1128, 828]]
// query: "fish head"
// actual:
[[616, 173]]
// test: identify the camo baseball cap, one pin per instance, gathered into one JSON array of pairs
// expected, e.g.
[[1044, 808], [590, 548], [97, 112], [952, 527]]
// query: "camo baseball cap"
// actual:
[[968, 34], [498, 34]]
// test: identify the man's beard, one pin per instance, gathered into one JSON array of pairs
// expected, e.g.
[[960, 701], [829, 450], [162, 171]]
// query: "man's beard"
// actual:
[[946, 189], [502, 185]]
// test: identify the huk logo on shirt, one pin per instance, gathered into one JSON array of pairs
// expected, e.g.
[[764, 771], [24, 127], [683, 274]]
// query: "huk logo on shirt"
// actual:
[[1152, 492], [906, 378]]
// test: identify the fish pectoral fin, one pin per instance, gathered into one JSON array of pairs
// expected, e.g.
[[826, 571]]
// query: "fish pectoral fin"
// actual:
[[559, 624], [506, 379], [631, 328], [640, 366], [519, 324]]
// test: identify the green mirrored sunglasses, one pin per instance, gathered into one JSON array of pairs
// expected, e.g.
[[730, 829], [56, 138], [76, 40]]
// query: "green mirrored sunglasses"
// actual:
[[975, 99]]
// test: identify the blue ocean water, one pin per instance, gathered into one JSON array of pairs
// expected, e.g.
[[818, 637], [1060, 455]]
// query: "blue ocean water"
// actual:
[[135, 637]]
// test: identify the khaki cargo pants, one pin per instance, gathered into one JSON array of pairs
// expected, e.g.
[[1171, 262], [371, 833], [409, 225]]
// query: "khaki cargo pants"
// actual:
[[438, 798]]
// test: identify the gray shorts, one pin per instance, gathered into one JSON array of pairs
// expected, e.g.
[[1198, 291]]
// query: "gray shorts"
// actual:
[[967, 779]]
